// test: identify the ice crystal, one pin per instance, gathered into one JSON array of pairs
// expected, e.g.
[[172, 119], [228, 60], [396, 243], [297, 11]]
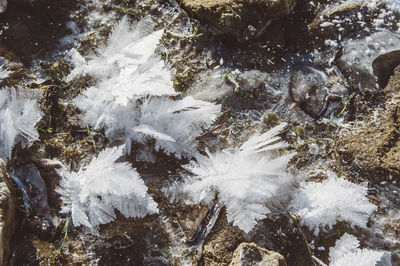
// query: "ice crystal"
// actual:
[[174, 125], [346, 252], [4, 72], [125, 69], [92, 194], [128, 73], [245, 179], [322, 204], [18, 117]]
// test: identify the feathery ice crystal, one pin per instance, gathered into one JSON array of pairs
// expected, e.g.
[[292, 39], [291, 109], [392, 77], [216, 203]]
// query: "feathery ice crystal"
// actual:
[[346, 252], [125, 70], [173, 124], [4, 72], [322, 204], [92, 194], [128, 70], [245, 178], [18, 117]]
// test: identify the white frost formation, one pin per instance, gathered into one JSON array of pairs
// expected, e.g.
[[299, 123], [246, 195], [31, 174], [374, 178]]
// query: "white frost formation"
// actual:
[[18, 117], [173, 124], [346, 252], [4, 72], [322, 204], [131, 97], [245, 179], [125, 69], [91, 195]]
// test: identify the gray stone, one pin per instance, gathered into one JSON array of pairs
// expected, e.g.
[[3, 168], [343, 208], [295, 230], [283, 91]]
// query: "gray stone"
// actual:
[[384, 66], [249, 254], [358, 65], [307, 88]]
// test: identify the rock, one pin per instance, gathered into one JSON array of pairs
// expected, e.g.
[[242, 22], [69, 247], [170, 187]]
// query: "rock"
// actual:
[[3, 5], [190, 218], [51, 174], [221, 242], [358, 66], [247, 254], [326, 16], [8, 217], [377, 159], [308, 90], [240, 19], [35, 188], [384, 65], [33, 27], [317, 93]]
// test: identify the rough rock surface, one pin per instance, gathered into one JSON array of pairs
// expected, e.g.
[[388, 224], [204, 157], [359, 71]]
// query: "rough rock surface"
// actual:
[[384, 66], [237, 18], [375, 144], [251, 254], [221, 242], [8, 222]]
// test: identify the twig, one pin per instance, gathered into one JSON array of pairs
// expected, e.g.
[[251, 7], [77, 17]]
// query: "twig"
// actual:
[[208, 133]]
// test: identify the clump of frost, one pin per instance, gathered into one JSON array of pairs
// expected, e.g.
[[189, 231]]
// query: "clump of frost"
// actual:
[[18, 117], [131, 95], [346, 252], [245, 179], [322, 204], [174, 125], [125, 69], [92, 194]]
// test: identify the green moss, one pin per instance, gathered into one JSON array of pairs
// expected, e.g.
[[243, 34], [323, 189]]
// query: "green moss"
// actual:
[[298, 130], [270, 118]]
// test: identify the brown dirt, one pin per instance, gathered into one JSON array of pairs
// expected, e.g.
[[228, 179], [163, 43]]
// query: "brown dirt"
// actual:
[[221, 242], [374, 146]]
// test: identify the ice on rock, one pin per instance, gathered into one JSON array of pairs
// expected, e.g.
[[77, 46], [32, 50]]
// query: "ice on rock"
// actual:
[[358, 65]]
